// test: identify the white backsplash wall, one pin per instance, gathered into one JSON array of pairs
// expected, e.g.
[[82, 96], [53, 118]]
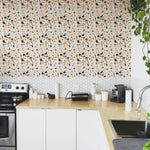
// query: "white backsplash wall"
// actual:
[[77, 84]]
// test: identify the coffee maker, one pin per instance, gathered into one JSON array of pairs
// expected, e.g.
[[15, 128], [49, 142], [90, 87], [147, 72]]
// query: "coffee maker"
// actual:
[[118, 94]]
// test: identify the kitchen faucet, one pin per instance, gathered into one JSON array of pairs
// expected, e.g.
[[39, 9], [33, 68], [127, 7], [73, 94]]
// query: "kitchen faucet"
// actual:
[[140, 97]]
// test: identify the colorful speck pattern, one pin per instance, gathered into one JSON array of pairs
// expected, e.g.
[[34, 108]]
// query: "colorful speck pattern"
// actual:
[[67, 38]]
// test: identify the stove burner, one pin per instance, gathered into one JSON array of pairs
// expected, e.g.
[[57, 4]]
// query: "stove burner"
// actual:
[[12, 96]]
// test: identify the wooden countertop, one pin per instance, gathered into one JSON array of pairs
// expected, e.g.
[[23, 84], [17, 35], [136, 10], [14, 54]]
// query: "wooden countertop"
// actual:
[[108, 110]]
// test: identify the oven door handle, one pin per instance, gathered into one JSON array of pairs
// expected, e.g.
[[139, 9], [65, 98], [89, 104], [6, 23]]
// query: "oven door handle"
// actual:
[[7, 111], [4, 138]]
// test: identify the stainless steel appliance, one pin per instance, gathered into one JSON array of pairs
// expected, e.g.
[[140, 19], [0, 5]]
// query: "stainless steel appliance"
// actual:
[[77, 96], [10, 95]]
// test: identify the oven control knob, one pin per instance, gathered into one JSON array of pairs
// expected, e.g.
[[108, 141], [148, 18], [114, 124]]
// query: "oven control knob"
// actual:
[[17, 87], [22, 88], [14, 99], [14, 104]]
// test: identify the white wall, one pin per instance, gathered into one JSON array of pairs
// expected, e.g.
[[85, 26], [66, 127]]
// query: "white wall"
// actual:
[[139, 78]]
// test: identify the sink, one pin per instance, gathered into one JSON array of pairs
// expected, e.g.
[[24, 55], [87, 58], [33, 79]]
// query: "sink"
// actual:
[[129, 128]]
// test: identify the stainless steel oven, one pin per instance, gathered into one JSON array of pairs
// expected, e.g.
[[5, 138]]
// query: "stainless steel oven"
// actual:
[[7, 130], [11, 94]]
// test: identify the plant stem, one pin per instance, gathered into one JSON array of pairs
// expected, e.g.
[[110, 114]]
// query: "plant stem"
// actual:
[[147, 51], [143, 49]]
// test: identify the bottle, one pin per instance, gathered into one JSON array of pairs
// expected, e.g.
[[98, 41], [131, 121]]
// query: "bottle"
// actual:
[[93, 90], [35, 94], [30, 93]]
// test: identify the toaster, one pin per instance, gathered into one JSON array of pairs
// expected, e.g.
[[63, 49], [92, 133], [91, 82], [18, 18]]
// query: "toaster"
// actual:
[[77, 96], [80, 97]]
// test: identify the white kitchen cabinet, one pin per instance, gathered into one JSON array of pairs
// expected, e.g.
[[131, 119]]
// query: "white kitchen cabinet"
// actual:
[[90, 131], [61, 129], [30, 129]]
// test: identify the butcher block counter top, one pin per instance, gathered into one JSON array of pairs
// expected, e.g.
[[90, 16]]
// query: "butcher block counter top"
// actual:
[[108, 110]]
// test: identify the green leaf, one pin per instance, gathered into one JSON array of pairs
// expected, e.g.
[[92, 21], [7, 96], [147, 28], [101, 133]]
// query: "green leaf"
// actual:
[[147, 64], [141, 41], [144, 57], [133, 27], [147, 38], [144, 34], [137, 31], [129, 10], [147, 147], [145, 22], [148, 2], [147, 11], [140, 15]]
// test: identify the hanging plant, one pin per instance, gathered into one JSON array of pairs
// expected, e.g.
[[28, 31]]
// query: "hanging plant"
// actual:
[[140, 10]]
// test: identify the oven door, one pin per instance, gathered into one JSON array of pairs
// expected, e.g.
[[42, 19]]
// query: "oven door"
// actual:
[[7, 128]]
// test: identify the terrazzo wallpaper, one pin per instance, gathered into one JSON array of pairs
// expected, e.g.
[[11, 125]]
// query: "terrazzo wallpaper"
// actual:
[[71, 38]]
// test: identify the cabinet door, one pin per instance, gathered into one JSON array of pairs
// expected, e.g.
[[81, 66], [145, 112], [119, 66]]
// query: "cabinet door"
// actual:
[[60, 129], [90, 132], [30, 129]]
